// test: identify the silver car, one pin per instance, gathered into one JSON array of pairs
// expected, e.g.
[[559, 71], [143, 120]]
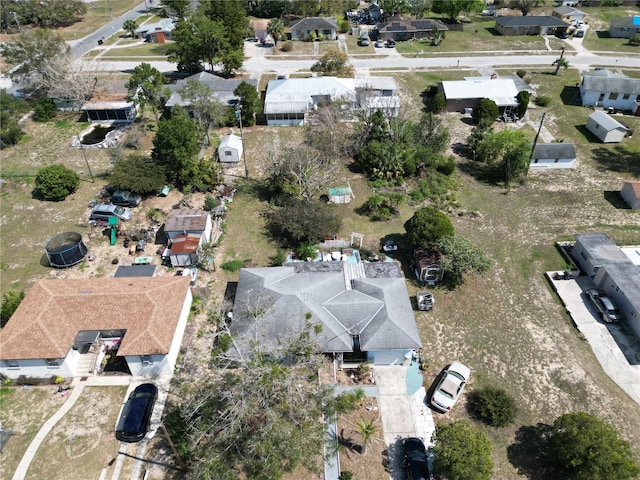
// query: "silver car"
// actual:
[[105, 211], [603, 305], [450, 386]]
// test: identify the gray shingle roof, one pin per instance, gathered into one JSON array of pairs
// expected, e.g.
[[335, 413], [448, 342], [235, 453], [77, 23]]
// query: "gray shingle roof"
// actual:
[[554, 150], [606, 121], [315, 23], [626, 22], [273, 303], [611, 83], [221, 88], [531, 21]]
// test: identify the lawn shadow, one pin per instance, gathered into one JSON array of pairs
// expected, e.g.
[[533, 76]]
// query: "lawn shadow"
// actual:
[[618, 159], [478, 170], [528, 453], [616, 200]]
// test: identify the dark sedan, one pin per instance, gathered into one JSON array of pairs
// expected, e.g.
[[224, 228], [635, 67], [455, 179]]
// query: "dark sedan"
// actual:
[[133, 423], [415, 459]]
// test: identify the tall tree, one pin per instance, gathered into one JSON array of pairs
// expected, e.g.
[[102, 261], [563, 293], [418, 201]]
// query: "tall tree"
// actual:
[[231, 14], [137, 173], [460, 257], [453, 8], [207, 109], [39, 57], [186, 49], [130, 26], [304, 222], [525, 6], [181, 8], [10, 302], [249, 103], [176, 147], [462, 452], [580, 446], [15, 15], [146, 88], [275, 28]]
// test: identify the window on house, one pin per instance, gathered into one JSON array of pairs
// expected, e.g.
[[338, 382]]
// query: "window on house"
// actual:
[[227, 153], [147, 360], [53, 362], [625, 96], [601, 97], [613, 96], [11, 363], [584, 257], [557, 160]]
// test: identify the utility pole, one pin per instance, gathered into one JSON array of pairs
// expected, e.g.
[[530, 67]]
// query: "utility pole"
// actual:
[[244, 155], [535, 140], [85, 158], [110, 10]]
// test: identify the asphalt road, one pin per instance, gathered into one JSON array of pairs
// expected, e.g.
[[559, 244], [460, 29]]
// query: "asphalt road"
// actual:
[[82, 46]]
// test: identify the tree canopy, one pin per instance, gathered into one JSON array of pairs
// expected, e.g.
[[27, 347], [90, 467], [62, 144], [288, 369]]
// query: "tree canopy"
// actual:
[[275, 28], [146, 88], [40, 14], [427, 226], [176, 147], [137, 173], [462, 452], [301, 221], [130, 26], [335, 63], [508, 152], [485, 113], [10, 302], [453, 8], [249, 103], [460, 257], [40, 59], [580, 446]]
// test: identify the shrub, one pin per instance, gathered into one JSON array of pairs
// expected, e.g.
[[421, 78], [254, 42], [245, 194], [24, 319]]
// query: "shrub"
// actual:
[[438, 103], [286, 46], [232, 265], [493, 405], [10, 302], [521, 73], [426, 226], [44, 109], [485, 113], [346, 475], [56, 182], [523, 103], [542, 101], [278, 259], [57, 379], [348, 401], [306, 250], [210, 203], [635, 40], [344, 26]]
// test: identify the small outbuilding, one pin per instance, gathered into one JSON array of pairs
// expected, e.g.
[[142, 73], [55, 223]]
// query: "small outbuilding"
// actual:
[[631, 194], [341, 195], [230, 150], [553, 155], [626, 27], [605, 127]]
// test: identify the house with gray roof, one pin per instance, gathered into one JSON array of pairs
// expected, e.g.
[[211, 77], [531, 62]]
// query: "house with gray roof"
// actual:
[[398, 28], [156, 32], [553, 155], [612, 271], [606, 89], [361, 316], [221, 88], [606, 128], [626, 27], [465, 94], [569, 14], [530, 25], [314, 26]]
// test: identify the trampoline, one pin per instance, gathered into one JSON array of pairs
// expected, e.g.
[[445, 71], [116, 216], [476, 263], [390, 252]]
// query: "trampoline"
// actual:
[[65, 250]]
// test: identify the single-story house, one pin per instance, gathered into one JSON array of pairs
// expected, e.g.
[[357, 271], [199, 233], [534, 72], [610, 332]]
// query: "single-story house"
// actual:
[[289, 101], [325, 26], [627, 27], [605, 127], [612, 271], [357, 314], [569, 14], [221, 88], [67, 327], [553, 155], [530, 25], [230, 150], [631, 193], [467, 93], [398, 28], [606, 89], [156, 32]]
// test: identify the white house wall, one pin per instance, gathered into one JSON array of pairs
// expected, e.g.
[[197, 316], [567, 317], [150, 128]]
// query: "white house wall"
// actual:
[[36, 367], [611, 136], [552, 163], [389, 357], [591, 98], [630, 312]]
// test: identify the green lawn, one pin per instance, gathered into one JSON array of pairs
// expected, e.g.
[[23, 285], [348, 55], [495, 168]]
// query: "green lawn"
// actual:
[[145, 50], [97, 16]]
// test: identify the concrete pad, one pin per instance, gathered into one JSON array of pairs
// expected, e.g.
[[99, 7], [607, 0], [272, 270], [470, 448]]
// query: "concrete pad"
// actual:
[[601, 336]]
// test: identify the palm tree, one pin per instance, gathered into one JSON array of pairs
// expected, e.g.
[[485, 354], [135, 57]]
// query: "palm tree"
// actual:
[[367, 430], [275, 28], [130, 26]]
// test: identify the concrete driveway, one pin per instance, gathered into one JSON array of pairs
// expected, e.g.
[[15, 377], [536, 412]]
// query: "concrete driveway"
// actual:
[[617, 350], [401, 400]]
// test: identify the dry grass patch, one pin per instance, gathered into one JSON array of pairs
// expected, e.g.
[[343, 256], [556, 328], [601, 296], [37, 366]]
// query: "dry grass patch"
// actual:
[[17, 413], [84, 439]]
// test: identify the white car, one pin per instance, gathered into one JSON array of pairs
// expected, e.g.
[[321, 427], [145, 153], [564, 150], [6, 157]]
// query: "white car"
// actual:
[[451, 384]]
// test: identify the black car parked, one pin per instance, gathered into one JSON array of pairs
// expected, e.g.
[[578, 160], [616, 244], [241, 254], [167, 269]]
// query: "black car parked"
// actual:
[[125, 198], [133, 423], [415, 459]]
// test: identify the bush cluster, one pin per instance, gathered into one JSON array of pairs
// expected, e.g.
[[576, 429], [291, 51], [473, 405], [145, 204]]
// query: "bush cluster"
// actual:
[[493, 405]]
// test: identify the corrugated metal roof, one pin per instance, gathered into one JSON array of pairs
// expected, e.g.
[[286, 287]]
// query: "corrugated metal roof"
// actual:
[[501, 91], [231, 141]]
